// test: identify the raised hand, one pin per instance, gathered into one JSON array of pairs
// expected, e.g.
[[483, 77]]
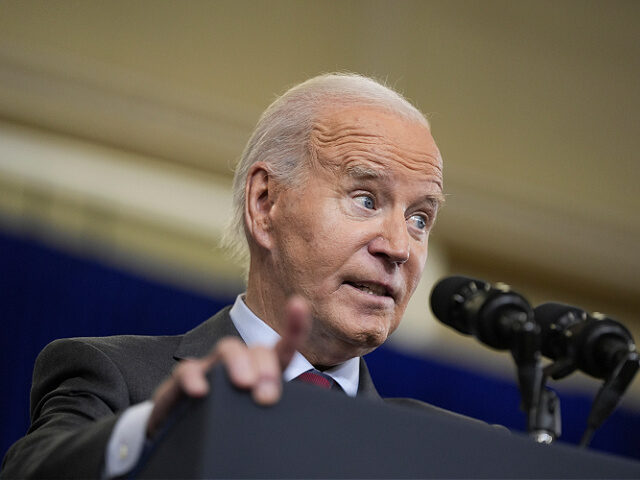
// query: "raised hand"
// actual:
[[258, 369]]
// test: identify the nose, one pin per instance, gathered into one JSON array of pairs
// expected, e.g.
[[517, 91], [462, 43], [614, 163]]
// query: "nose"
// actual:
[[392, 241]]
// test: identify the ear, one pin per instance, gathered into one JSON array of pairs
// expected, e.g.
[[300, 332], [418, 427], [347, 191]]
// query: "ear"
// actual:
[[260, 196]]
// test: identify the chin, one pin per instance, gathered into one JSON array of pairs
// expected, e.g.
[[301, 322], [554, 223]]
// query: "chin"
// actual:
[[352, 327], [370, 331]]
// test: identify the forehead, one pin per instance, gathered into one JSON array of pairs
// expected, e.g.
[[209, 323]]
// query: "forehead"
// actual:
[[360, 139]]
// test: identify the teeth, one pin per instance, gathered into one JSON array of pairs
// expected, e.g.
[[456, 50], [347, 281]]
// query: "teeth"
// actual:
[[371, 289]]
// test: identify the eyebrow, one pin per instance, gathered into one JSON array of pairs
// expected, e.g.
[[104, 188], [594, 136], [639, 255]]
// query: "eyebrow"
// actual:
[[363, 172], [436, 199]]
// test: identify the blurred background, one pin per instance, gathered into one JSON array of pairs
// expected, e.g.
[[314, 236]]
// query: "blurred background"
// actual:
[[121, 121]]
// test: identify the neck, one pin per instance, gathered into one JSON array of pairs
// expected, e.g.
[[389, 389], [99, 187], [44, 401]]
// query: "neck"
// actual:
[[323, 349], [265, 301]]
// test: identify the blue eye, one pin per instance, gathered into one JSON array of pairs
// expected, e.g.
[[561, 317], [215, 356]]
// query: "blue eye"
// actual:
[[366, 201], [419, 221]]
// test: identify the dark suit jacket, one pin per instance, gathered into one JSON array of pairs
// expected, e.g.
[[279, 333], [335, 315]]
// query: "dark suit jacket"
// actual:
[[81, 385]]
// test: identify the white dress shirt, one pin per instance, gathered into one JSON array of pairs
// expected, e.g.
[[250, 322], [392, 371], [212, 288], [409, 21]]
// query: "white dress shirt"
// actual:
[[127, 439]]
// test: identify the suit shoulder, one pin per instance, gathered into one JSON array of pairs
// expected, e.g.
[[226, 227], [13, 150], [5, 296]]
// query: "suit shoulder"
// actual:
[[116, 342], [138, 363], [126, 347]]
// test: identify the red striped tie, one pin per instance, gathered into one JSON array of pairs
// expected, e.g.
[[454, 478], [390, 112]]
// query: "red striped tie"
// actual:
[[314, 377]]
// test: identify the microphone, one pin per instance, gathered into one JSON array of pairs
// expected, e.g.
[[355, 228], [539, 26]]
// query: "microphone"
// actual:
[[598, 345], [502, 319], [491, 313], [594, 343]]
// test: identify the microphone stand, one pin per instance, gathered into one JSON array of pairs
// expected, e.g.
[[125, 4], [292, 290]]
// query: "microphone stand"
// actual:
[[547, 424], [540, 404]]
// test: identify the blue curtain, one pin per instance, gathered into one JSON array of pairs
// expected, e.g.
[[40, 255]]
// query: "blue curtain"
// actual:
[[46, 294]]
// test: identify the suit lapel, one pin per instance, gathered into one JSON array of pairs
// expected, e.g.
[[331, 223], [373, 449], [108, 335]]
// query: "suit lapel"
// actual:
[[366, 388], [199, 341]]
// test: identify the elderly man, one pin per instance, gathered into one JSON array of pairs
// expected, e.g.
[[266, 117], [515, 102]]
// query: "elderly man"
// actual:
[[335, 194]]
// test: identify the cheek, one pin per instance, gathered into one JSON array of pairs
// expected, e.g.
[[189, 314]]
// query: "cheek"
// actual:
[[415, 269], [309, 250], [328, 235]]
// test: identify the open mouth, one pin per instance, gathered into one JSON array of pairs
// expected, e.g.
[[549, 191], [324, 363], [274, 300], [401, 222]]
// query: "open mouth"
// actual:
[[371, 288]]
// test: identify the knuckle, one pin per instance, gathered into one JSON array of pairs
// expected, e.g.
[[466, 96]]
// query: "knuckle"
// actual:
[[227, 345], [265, 359], [260, 350], [180, 368], [185, 369]]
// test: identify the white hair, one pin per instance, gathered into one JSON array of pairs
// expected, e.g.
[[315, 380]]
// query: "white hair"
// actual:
[[282, 135]]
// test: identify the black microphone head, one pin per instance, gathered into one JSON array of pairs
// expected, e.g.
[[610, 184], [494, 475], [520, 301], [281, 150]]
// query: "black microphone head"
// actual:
[[447, 295], [474, 307], [550, 312], [442, 293], [555, 320], [602, 343], [593, 343]]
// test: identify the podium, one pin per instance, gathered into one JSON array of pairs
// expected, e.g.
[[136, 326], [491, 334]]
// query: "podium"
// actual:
[[313, 433]]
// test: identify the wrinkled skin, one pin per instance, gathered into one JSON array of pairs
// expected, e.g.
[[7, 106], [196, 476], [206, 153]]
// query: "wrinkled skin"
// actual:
[[352, 240]]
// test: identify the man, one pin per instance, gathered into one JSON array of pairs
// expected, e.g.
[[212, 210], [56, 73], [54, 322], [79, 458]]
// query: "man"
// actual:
[[335, 194]]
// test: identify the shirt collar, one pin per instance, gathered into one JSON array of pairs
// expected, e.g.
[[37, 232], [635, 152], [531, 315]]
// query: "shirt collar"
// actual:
[[256, 332]]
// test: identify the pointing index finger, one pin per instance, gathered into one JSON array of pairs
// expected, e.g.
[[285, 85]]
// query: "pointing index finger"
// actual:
[[297, 327]]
